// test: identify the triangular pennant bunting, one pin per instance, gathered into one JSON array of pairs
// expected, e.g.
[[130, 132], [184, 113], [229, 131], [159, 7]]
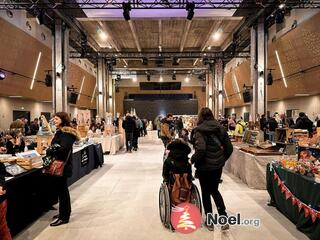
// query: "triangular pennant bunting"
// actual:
[[294, 200], [288, 194], [306, 211], [299, 205], [314, 215]]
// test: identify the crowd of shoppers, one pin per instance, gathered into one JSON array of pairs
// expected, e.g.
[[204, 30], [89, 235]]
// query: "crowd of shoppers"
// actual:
[[134, 128]]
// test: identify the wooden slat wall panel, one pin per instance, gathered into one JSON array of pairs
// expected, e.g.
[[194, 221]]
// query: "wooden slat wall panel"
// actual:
[[21, 53], [122, 33], [198, 32], [148, 33], [298, 50], [172, 33]]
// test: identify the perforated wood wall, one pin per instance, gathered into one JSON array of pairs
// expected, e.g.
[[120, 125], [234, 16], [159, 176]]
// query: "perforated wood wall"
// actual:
[[298, 50], [19, 53]]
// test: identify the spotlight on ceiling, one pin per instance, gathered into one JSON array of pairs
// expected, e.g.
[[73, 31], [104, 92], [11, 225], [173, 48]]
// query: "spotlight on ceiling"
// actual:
[[113, 61], [175, 61], [40, 17], [279, 16], [160, 61], [2, 75], [217, 35], [118, 77], [48, 79], [174, 77], [282, 6], [126, 10], [145, 61], [205, 61], [270, 78], [190, 9]]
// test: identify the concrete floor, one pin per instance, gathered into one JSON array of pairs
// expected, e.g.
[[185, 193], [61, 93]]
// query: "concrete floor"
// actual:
[[120, 201]]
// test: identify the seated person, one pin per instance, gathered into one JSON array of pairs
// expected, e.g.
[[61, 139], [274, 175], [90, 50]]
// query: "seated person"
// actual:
[[15, 143], [177, 160]]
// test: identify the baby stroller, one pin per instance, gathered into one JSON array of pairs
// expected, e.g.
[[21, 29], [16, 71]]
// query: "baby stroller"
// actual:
[[177, 186]]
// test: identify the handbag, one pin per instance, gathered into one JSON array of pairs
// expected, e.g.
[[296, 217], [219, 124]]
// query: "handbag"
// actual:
[[56, 167]]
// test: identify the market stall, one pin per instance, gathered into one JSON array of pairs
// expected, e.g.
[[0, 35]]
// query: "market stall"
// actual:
[[250, 158], [248, 167], [30, 193], [297, 197]]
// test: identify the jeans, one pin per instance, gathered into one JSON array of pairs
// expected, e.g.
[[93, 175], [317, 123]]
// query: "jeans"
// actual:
[[64, 198], [4, 230], [209, 182], [129, 140], [272, 136]]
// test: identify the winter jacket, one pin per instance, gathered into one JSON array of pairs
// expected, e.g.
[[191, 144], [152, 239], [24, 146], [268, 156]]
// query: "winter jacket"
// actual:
[[65, 137], [177, 160], [165, 129], [13, 149], [129, 124], [273, 125], [2, 180], [240, 127], [212, 146], [304, 123]]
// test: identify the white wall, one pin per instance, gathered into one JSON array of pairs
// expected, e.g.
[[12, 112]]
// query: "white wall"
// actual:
[[310, 105], [7, 105]]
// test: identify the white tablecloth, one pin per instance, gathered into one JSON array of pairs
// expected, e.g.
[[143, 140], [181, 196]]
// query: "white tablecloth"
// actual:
[[249, 168]]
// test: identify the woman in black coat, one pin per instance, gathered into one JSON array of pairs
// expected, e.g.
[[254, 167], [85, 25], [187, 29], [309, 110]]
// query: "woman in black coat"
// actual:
[[65, 136], [212, 149]]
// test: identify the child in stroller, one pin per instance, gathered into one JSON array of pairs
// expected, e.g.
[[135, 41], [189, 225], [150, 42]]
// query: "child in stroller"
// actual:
[[177, 172]]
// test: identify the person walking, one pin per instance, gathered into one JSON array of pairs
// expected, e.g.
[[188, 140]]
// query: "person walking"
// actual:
[[165, 132], [212, 149], [4, 230], [65, 137], [129, 126]]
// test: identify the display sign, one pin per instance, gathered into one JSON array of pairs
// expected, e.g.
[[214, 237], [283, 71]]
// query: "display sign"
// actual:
[[84, 157]]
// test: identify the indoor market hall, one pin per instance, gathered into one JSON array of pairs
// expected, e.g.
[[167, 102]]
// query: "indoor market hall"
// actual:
[[121, 201], [159, 119]]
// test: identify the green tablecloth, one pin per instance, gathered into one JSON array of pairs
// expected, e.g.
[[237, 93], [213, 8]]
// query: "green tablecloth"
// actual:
[[303, 188]]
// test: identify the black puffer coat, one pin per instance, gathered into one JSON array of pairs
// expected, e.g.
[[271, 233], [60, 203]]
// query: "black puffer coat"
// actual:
[[212, 146], [177, 160], [65, 137]]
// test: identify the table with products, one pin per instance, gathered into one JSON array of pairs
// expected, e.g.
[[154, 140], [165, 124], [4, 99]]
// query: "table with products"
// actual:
[[297, 197], [31, 193], [111, 144], [248, 167]]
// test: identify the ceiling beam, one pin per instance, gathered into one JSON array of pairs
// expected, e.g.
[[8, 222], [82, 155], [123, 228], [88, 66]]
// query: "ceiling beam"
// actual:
[[107, 30], [114, 45], [134, 34], [215, 26], [185, 34]]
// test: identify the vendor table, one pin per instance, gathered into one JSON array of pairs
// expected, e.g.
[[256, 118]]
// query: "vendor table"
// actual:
[[112, 144], [249, 168], [32, 193], [290, 191]]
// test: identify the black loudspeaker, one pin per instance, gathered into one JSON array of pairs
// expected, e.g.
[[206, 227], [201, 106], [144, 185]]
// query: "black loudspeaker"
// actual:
[[247, 96], [48, 80], [73, 97], [269, 79]]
